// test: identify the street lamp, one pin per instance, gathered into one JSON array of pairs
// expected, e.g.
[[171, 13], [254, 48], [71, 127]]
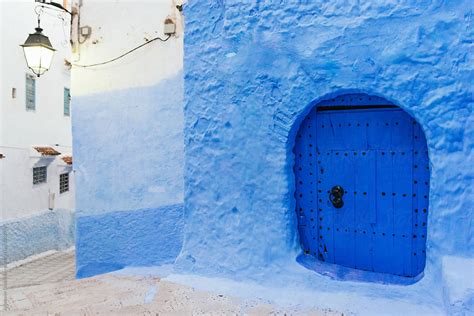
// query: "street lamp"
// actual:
[[37, 47], [38, 51]]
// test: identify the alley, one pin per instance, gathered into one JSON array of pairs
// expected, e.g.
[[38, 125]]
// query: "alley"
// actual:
[[47, 285]]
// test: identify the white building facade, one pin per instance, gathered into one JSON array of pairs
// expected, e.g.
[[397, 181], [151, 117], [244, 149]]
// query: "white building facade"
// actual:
[[36, 171]]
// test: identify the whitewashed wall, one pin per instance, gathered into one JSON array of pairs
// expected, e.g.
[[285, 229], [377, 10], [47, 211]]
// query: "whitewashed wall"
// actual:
[[32, 226], [116, 28], [22, 198], [47, 125]]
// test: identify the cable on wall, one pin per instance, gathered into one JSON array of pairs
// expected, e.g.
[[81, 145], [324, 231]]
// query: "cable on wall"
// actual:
[[124, 54]]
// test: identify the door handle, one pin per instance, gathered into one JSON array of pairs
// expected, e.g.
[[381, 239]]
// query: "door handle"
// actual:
[[335, 196]]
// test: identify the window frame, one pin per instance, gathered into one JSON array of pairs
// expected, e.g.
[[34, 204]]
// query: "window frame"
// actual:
[[30, 93], [64, 183], [38, 178], [67, 102]]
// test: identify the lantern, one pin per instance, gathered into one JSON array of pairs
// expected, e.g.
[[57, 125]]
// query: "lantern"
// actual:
[[38, 52]]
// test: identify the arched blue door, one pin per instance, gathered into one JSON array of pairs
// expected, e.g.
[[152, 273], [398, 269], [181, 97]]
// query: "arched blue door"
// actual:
[[362, 185]]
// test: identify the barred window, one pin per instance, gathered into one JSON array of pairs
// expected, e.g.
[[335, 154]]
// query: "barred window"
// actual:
[[30, 96], [39, 175], [63, 182]]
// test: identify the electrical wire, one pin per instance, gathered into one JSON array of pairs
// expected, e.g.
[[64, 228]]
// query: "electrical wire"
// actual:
[[124, 54]]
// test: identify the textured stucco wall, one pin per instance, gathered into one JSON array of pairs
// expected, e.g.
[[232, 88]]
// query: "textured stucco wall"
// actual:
[[128, 149], [115, 240], [27, 236], [128, 137], [254, 69]]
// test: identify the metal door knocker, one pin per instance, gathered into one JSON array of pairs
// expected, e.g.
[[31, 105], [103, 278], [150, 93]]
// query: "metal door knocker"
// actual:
[[336, 196]]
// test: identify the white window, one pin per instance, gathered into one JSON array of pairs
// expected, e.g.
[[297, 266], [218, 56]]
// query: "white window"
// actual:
[[63, 182], [39, 175]]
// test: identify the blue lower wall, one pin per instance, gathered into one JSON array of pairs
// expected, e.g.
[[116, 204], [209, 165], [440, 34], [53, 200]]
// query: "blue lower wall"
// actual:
[[114, 240], [49, 230]]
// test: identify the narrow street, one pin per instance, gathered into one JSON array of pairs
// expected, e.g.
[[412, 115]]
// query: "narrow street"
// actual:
[[47, 286]]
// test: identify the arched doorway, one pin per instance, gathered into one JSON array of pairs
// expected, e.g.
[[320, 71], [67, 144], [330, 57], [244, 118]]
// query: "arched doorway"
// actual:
[[362, 185]]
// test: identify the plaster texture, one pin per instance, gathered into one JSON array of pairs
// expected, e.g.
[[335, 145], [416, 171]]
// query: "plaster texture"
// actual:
[[31, 235], [145, 66], [128, 137], [254, 70], [116, 240], [458, 287], [128, 150]]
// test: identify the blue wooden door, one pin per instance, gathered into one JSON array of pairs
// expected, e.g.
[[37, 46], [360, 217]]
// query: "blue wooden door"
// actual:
[[374, 155]]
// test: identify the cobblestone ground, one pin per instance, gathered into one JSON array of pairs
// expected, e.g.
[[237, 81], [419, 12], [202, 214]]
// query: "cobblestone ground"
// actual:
[[46, 286]]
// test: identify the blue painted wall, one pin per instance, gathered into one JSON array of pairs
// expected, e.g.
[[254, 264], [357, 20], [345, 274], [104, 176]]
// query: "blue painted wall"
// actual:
[[253, 70], [128, 156], [128, 238]]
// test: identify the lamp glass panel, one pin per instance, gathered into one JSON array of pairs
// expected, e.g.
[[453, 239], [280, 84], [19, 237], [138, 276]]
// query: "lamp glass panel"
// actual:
[[38, 58]]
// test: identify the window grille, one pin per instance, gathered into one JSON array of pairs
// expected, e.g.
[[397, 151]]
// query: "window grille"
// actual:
[[63, 182], [67, 102], [30, 88], [39, 175]]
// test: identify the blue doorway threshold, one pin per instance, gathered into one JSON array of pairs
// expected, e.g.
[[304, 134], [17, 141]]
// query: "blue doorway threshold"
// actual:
[[341, 273]]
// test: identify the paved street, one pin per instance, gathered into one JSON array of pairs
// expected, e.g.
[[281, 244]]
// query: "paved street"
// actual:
[[53, 268], [46, 269], [47, 286]]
